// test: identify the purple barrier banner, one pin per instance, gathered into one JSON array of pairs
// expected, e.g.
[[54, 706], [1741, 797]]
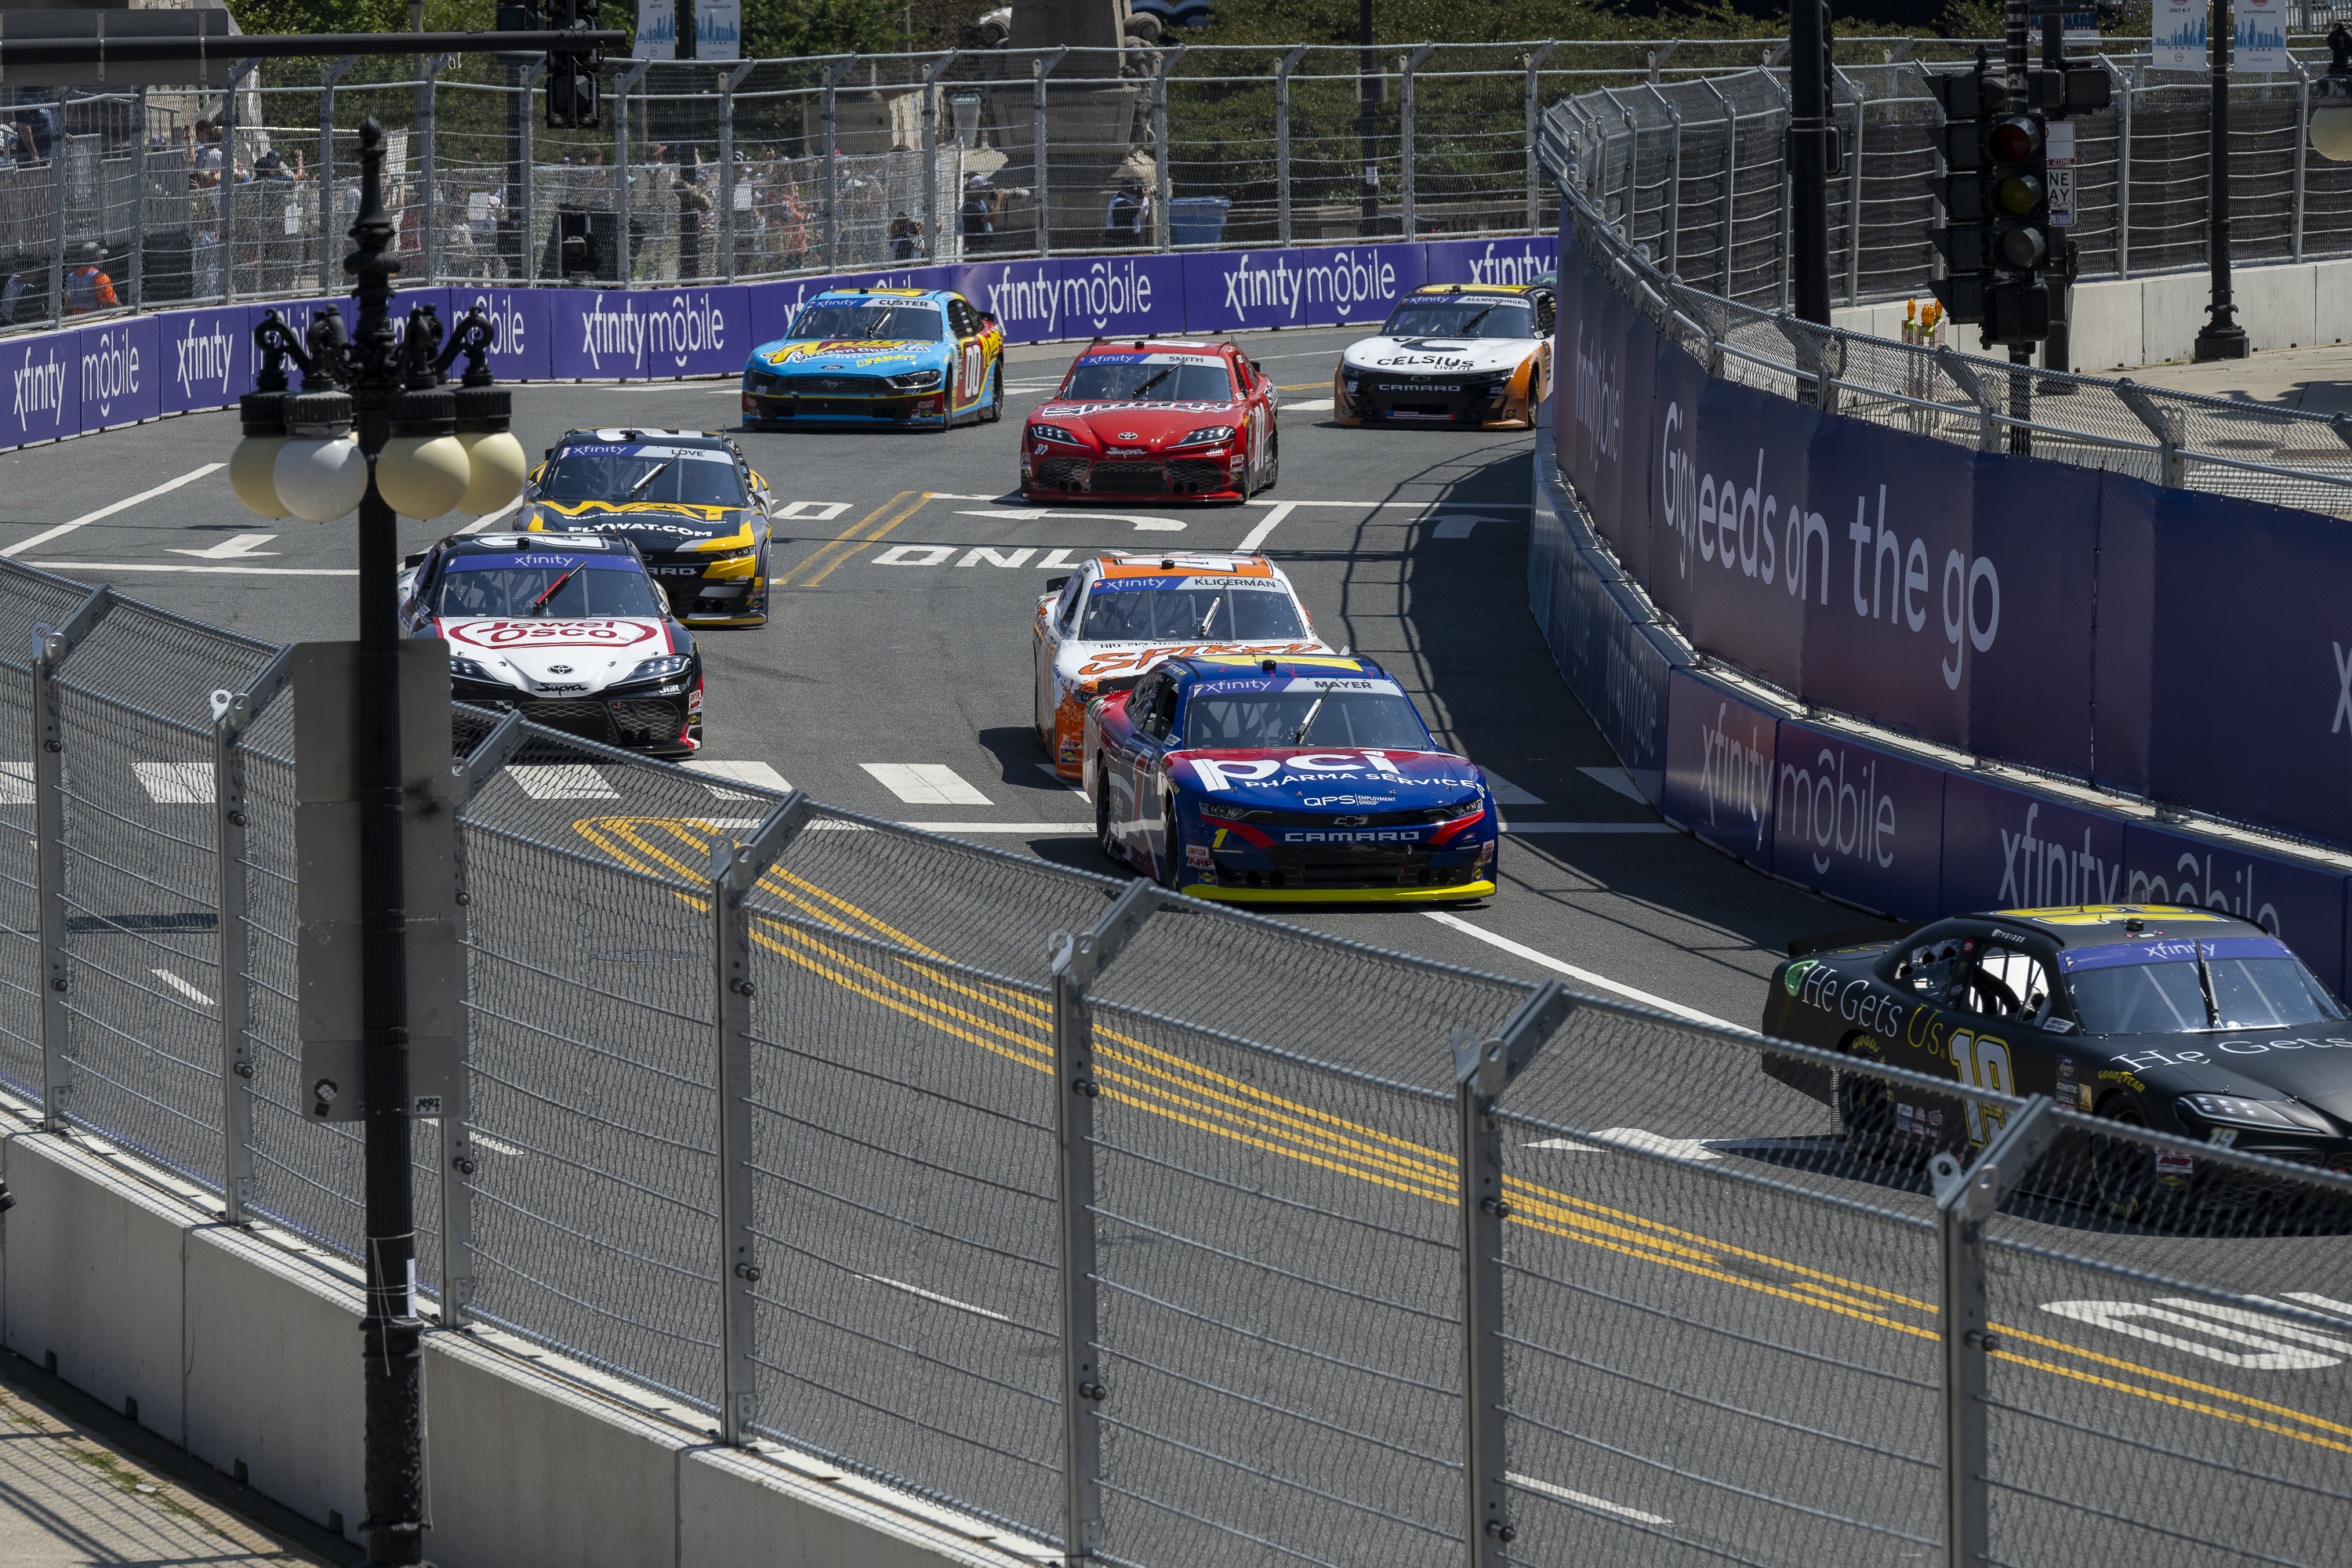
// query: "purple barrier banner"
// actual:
[[1636, 696], [649, 333], [122, 371], [1138, 295], [1719, 774], [1521, 260], [2006, 849], [206, 358], [1233, 290], [2123, 679], [45, 389], [1857, 822], [520, 341], [2301, 905]]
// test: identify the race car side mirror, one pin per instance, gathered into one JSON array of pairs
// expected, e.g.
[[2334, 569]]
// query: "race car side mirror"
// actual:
[[1056, 585], [411, 560]]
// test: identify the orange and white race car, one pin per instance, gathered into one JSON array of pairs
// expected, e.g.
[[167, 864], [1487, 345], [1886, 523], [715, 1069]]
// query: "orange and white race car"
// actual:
[[1451, 354], [1117, 617]]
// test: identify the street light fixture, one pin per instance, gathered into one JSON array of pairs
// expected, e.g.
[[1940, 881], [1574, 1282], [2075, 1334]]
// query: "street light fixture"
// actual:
[[2331, 107], [376, 426]]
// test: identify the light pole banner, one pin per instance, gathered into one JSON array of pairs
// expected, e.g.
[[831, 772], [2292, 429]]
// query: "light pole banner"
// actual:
[[2176, 36], [2258, 35], [657, 31], [718, 29]]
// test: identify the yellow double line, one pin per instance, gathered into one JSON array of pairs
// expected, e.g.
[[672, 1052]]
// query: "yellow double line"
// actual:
[[1016, 1024], [820, 563]]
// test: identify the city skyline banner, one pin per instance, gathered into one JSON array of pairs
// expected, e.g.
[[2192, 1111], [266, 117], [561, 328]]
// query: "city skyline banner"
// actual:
[[2258, 37], [2177, 34]]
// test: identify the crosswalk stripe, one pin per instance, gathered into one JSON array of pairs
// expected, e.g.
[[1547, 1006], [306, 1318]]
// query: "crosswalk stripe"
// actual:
[[176, 784], [561, 781], [1508, 793], [925, 783], [763, 774]]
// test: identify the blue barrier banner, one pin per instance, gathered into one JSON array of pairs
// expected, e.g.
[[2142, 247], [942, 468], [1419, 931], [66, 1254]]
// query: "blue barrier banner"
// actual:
[[2031, 579], [1519, 260], [649, 333], [2006, 850], [1636, 697], [207, 358], [1719, 772], [521, 349], [2123, 681], [1133, 296], [1231, 290], [122, 371], [1857, 822], [2303, 906], [45, 389]]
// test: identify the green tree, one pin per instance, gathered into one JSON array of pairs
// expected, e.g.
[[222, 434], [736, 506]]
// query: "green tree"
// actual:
[[784, 29]]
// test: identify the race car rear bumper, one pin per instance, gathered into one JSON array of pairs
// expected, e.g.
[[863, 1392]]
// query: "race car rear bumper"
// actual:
[[1079, 477]]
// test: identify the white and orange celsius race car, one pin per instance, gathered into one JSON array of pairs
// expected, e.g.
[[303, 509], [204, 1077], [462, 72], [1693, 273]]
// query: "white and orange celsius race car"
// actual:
[[1103, 626]]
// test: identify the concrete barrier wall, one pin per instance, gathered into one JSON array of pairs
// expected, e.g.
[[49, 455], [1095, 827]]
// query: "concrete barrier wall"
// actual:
[[245, 1349], [2123, 322]]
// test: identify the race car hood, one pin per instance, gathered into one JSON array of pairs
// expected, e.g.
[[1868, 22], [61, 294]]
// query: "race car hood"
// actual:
[[1088, 662], [2311, 1062], [553, 658], [819, 356], [1424, 356], [1138, 427], [652, 526], [1342, 781]]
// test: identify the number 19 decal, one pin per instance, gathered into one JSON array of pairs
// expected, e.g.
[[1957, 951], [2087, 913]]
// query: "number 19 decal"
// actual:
[[1984, 1062]]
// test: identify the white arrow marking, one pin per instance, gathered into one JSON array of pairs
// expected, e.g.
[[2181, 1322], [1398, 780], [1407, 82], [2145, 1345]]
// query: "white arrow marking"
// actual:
[[1030, 514], [234, 548]]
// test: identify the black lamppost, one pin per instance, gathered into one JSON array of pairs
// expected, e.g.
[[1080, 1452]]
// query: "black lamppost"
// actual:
[[1810, 140], [374, 427], [2220, 337]]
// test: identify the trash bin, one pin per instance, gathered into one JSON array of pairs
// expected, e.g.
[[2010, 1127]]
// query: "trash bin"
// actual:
[[1197, 220]]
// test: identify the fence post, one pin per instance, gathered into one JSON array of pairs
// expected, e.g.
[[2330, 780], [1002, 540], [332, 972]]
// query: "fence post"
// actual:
[[2122, 176], [327, 249], [624, 261], [1161, 184], [1853, 198], [1038, 67], [1077, 961], [825, 121], [728, 82], [2168, 425], [526, 267], [1282, 70], [2302, 143], [428, 244], [1531, 103], [1481, 1070], [1967, 380], [138, 199], [226, 246], [735, 869], [1780, 193], [1964, 1201], [50, 648], [1404, 127], [57, 211], [1672, 215], [1730, 179], [931, 154], [233, 713]]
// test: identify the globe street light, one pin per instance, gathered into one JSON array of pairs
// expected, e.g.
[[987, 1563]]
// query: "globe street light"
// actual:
[[374, 427], [2331, 102]]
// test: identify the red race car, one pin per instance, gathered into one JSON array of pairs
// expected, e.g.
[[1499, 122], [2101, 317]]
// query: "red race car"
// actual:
[[1193, 420]]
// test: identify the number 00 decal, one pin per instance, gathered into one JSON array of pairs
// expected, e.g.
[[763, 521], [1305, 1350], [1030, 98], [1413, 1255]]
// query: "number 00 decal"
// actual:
[[973, 358], [1985, 1063]]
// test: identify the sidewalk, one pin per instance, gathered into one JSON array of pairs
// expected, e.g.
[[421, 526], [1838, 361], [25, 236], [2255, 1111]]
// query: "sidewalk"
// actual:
[[2314, 380], [97, 1490]]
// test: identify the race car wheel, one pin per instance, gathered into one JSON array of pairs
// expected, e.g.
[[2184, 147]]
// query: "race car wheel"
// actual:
[[1892, 1123], [993, 409], [1110, 846], [1171, 844], [1273, 461]]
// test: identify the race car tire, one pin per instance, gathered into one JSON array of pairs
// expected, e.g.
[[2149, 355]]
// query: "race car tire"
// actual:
[[993, 409], [1171, 842], [1102, 813], [1868, 1109], [1273, 462]]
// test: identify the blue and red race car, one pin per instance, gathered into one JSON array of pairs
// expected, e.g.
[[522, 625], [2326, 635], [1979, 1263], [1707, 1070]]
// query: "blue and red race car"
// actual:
[[1300, 779]]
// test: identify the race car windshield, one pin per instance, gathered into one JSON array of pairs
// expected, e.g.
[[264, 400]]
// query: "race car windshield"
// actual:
[[2249, 993], [1467, 317], [467, 590], [870, 324], [1189, 614], [1140, 380], [1385, 720], [578, 475]]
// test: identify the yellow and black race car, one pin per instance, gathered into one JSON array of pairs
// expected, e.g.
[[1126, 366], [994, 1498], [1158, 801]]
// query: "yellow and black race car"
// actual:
[[687, 499]]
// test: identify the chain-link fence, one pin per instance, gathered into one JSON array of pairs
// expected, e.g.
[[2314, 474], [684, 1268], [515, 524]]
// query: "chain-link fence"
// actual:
[[1161, 1231]]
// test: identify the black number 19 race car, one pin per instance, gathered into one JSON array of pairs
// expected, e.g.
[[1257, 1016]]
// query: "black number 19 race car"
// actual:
[[2183, 1020]]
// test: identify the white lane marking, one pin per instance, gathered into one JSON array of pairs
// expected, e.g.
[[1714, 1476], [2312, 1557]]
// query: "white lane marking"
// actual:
[[761, 774], [1656, 1143], [493, 1145], [2262, 1353], [1049, 769], [1645, 998], [935, 1295], [561, 781], [995, 557], [1617, 779], [2321, 1303], [956, 829], [239, 546], [1272, 520], [488, 518], [16, 784], [1588, 1501], [182, 986], [812, 511], [915, 555], [1055, 559], [1037, 514], [946, 495], [1423, 505], [1506, 793], [1309, 406], [1456, 527], [176, 784], [1528, 828], [124, 505], [925, 783], [210, 571]]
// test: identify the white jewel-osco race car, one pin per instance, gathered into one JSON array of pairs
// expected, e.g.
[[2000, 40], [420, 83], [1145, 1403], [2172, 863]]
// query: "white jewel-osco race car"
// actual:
[[1451, 354]]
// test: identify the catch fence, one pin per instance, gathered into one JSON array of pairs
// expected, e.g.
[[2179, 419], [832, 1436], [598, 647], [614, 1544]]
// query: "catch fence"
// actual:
[[720, 171], [1153, 1230]]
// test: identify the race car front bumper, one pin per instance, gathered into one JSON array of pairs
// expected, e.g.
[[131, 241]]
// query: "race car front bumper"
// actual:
[[706, 593], [1072, 476], [784, 400], [1490, 400], [1349, 873], [658, 724]]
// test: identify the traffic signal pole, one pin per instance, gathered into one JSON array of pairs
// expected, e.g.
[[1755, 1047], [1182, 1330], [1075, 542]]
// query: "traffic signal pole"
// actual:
[[2021, 387], [2057, 349], [1808, 157]]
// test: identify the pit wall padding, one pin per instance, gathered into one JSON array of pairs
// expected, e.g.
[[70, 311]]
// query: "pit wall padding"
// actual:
[[1867, 817]]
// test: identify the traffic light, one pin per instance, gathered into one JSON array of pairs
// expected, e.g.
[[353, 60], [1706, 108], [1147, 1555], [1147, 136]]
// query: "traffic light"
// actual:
[[1994, 191], [572, 77]]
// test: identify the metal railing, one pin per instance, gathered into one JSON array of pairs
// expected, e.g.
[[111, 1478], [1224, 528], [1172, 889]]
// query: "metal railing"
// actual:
[[1152, 1229]]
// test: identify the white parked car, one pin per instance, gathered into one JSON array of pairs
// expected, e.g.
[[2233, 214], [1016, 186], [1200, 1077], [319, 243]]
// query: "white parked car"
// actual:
[[1117, 617]]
